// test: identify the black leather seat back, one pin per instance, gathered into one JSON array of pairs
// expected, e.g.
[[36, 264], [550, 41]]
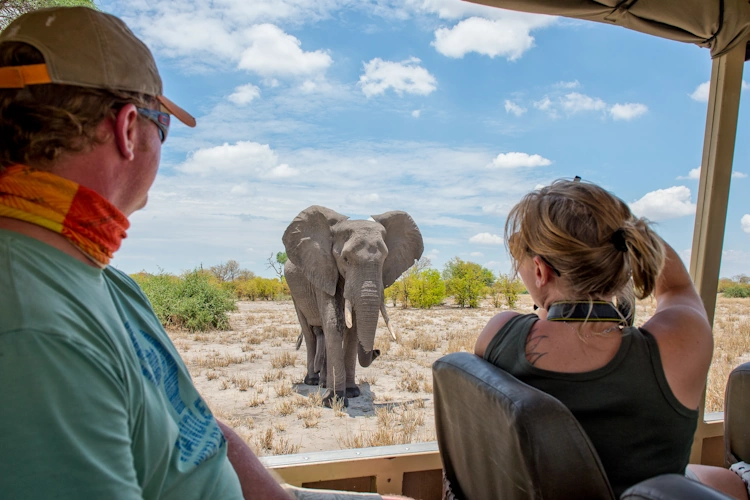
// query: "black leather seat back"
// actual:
[[736, 412], [502, 439]]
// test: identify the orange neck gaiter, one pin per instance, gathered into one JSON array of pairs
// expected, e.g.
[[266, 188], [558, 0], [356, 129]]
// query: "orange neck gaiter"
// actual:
[[78, 213]]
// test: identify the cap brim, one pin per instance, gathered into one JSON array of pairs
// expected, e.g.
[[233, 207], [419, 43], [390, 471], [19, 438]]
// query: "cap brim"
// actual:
[[176, 111]]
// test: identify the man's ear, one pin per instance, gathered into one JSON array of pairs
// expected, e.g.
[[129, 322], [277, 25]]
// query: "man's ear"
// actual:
[[125, 130]]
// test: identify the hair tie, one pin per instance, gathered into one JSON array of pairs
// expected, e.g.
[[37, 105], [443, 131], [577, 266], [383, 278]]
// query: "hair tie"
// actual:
[[618, 240]]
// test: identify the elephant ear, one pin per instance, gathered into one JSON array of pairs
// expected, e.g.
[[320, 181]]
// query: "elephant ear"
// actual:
[[404, 242], [308, 242]]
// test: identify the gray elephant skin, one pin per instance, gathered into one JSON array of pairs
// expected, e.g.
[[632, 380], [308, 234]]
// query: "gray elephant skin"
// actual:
[[337, 272]]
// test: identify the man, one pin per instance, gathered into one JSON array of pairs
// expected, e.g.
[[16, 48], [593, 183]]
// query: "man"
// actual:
[[96, 402]]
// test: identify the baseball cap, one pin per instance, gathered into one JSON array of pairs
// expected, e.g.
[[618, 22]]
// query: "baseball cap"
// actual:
[[86, 48]]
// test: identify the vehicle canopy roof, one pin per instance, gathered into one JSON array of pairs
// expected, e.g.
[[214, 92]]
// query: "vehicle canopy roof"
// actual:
[[719, 25]]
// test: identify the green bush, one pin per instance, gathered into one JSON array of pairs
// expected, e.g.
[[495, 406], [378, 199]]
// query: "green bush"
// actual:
[[467, 282], [737, 291], [507, 289], [195, 301]]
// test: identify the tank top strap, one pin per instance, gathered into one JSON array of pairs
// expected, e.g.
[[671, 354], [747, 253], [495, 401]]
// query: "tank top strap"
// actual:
[[646, 341], [504, 347]]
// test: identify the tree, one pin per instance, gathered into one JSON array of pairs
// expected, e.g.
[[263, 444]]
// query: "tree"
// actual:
[[11, 9], [228, 271], [407, 283], [466, 281], [277, 264], [507, 289], [427, 289]]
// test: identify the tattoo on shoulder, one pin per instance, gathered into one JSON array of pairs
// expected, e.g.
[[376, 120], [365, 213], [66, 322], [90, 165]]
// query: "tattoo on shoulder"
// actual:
[[533, 352]]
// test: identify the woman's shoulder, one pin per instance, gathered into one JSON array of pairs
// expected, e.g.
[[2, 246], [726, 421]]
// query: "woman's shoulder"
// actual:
[[493, 327]]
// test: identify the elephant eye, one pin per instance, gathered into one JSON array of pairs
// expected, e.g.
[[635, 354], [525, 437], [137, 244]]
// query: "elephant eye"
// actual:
[[346, 259]]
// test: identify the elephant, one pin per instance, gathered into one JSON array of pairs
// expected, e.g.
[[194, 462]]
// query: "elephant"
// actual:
[[337, 271]]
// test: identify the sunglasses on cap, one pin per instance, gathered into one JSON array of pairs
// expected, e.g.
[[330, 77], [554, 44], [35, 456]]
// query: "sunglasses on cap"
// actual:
[[159, 118]]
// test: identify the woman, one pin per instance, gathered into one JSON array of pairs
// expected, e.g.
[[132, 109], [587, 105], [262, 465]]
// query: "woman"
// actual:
[[635, 391]]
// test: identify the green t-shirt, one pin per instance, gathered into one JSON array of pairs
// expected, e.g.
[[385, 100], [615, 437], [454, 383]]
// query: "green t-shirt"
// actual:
[[95, 401]]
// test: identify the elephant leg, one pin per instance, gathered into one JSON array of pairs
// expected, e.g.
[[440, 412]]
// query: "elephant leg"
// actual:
[[335, 380], [335, 371], [320, 354], [312, 377], [350, 361]]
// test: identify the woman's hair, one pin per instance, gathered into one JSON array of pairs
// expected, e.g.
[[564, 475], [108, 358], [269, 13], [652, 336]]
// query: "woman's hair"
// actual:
[[39, 122], [589, 236]]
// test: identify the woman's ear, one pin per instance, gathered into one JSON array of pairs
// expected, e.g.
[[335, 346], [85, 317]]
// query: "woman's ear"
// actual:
[[542, 272]]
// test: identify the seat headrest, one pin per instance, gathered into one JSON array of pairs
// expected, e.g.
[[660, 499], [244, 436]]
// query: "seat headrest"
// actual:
[[736, 410]]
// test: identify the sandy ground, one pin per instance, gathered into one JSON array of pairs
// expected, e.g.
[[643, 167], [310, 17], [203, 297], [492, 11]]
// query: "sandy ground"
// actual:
[[252, 375]]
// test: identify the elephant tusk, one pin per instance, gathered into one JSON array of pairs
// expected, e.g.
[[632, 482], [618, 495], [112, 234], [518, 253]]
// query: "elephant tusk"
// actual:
[[348, 313], [391, 329]]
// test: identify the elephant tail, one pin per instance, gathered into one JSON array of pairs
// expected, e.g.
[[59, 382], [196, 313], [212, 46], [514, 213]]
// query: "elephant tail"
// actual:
[[299, 341], [320, 353]]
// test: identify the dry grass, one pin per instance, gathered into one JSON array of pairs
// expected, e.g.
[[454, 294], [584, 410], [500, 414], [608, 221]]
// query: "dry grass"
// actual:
[[422, 341], [243, 373], [272, 375], [285, 408], [267, 443], [395, 425], [256, 400], [283, 388], [283, 359], [368, 379], [411, 382], [461, 340]]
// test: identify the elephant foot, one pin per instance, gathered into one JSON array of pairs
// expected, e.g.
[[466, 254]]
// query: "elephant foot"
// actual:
[[352, 392], [330, 394], [314, 380]]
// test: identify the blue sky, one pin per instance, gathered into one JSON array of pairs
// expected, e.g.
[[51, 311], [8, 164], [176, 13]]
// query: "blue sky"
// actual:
[[444, 109]]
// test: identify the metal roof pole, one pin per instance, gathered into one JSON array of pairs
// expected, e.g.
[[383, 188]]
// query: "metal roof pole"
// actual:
[[713, 196]]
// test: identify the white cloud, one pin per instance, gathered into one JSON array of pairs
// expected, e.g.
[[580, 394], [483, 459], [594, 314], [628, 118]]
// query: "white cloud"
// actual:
[[405, 76], [695, 174], [239, 189], [628, 111], [664, 204], [576, 102], [486, 239], [567, 85], [484, 36], [700, 93], [244, 94], [543, 104], [511, 107], [745, 223], [476, 254], [516, 160], [275, 53], [416, 113], [282, 171], [203, 36], [241, 159]]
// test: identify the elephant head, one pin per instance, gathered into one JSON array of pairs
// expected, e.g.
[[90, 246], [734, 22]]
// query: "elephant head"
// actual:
[[368, 255]]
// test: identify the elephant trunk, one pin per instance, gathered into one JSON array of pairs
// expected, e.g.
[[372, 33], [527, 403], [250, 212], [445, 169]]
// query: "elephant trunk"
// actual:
[[365, 296]]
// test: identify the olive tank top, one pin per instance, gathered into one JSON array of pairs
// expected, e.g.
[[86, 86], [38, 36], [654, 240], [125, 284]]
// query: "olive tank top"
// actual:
[[631, 416]]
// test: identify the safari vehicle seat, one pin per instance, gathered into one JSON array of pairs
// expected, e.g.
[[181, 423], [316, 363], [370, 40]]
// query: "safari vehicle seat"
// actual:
[[736, 411], [502, 439]]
